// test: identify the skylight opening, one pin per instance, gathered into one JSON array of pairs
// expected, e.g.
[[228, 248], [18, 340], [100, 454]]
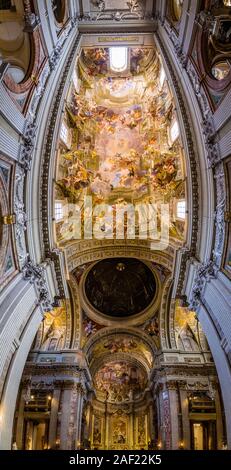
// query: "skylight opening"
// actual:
[[118, 58], [174, 131], [64, 134], [162, 77], [181, 209], [58, 211]]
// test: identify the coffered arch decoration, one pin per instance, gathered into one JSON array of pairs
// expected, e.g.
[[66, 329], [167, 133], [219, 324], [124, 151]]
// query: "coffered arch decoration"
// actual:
[[86, 251], [131, 341]]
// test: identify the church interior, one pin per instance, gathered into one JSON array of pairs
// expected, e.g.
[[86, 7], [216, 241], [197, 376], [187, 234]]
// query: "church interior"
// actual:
[[115, 224]]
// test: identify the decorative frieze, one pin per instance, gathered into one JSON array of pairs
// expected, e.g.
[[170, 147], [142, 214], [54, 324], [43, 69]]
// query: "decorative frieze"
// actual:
[[205, 272], [57, 51], [36, 275], [47, 158], [39, 90], [20, 214], [213, 154], [31, 20], [193, 165], [219, 215], [28, 138]]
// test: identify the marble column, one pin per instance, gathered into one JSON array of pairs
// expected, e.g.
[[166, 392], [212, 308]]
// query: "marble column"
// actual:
[[151, 431], [66, 400], [104, 426], [107, 432], [20, 421], [185, 419], [219, 422], [173, 404], [131, 425], [54, 418], [80, 394]]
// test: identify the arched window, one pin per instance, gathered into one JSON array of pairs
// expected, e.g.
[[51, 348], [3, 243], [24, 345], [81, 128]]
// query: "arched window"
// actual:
[[118, 58], [174, 131], [181, 209]]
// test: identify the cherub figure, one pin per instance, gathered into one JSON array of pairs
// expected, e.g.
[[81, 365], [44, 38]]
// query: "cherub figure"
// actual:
[[133, 5]]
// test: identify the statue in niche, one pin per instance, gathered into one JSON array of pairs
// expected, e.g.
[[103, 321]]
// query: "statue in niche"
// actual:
[[97, 436], [187, 340]]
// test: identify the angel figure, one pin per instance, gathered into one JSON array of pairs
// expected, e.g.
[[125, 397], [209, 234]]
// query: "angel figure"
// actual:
[[133, 5]]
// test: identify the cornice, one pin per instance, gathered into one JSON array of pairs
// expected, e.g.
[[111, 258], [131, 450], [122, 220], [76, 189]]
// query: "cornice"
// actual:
[[191, 251]]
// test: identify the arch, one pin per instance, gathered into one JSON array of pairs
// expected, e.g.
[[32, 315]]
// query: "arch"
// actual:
[[110, 332]]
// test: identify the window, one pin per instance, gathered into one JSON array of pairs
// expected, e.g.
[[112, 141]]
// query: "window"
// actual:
[[64, 133], [162, 77], [58, 211], [75, 79], [118, 58], [5, 5], [174, 131], [181, 209], [177, 9], [17, 73]]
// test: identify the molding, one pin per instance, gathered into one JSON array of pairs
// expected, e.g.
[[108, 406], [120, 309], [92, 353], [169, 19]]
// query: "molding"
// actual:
[[35, 274], [46, 164], [204, 273], [191, 251]]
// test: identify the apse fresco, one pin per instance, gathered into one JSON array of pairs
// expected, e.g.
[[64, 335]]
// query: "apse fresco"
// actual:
[[120, 381], [121, 150]]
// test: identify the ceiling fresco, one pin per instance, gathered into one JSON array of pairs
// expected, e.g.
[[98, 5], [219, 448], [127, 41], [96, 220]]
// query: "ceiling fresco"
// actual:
[[119, 149]]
